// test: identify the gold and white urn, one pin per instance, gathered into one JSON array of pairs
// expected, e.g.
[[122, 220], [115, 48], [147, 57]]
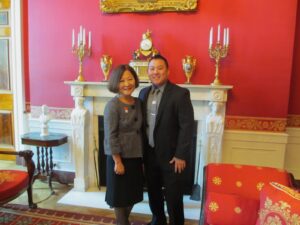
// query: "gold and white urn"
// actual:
[[106, 64], [188, 66]]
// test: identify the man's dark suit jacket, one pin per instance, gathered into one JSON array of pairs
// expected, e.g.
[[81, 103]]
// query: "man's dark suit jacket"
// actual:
[[174, 123]]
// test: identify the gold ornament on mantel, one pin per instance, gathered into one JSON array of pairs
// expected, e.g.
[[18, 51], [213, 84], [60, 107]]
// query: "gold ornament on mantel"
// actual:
[[188, 66], [146, 49], [219, 51], [81, 50], [105, 64], [142, 55]]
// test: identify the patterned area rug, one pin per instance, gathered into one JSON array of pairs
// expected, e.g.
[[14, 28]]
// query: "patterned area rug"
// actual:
[[22, 215]]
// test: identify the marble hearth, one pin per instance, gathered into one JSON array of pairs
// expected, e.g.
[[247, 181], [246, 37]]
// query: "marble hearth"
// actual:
[[209, 104]]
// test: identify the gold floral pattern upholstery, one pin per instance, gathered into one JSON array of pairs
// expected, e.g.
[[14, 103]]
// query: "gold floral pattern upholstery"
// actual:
[[239, 184], [213, 206], [217, 180], [260, 185], [280, 205], [237, 210], [232, 192], [14, 182], [7, 176]]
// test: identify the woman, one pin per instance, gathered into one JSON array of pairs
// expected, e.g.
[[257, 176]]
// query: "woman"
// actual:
[[123, 144]]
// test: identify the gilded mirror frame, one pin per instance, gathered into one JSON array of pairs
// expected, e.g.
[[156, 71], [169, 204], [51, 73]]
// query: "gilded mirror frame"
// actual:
[[123, 6]]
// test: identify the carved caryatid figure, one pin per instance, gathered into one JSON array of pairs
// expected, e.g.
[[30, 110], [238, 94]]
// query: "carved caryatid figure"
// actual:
[[79, 120], [214, 131]]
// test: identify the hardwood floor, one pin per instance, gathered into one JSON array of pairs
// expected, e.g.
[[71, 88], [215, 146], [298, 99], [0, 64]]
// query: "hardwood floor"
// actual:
[[42, 196]]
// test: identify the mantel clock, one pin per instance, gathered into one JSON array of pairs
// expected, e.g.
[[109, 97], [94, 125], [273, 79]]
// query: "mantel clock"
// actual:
[[142, 55]]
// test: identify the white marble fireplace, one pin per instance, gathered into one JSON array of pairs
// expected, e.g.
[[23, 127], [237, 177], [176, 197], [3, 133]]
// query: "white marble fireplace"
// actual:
[[209, 104]]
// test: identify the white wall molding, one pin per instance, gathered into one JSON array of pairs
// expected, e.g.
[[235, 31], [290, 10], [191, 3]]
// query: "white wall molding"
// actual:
[[255, 148], [281, 150], [292, 156]]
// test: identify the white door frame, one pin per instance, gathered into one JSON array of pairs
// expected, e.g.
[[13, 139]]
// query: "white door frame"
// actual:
[[17, 72]]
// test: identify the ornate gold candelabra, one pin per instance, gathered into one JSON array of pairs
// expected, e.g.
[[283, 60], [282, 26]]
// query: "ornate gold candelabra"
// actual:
[[106, 64], [219, 51], [188, 66], [81, 50]]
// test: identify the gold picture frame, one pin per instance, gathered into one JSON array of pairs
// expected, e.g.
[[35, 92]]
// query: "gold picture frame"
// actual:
[[123, 6], [4, 4]]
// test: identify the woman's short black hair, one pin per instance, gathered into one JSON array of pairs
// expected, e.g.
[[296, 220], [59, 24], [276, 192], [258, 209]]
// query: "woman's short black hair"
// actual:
[[116, 75], [158, 56]]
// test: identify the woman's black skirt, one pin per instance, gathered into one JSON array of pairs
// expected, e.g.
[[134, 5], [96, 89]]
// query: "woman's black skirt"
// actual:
[[127, 189]]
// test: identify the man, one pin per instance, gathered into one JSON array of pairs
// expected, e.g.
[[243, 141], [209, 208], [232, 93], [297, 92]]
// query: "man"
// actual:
[[169, 118]]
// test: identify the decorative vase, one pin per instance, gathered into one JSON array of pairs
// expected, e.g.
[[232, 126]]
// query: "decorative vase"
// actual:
[[106, 64], [188, 66]]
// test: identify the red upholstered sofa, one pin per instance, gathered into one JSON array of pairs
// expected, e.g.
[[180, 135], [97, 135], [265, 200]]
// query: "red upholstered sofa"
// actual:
[[14, 182], [248, 195]]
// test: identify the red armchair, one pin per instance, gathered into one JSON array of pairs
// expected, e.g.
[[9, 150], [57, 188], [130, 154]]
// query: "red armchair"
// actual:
[[231, 194], [14, 182]]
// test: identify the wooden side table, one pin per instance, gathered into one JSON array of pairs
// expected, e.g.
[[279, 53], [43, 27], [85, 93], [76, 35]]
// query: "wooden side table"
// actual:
[[44, 146]]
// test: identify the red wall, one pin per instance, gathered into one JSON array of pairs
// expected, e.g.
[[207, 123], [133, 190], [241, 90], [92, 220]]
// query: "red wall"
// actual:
[[259, 64], [25, 47], [294, 107]]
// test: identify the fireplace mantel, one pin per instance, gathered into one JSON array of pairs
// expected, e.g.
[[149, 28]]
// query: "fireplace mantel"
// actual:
[[198, 92], [90, 99]]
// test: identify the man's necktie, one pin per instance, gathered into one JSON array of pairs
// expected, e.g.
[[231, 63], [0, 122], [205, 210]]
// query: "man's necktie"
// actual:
[[153, 113]]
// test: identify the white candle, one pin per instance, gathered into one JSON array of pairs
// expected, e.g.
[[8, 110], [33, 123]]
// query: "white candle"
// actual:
[[78, 39], [80, 33], [224, 36], [227, 38], [83, 37], [211, 37], [90, 39], [218, 40], [73, 38]]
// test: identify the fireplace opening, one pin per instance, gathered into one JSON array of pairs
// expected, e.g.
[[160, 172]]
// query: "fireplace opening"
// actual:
[[189, 172]]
